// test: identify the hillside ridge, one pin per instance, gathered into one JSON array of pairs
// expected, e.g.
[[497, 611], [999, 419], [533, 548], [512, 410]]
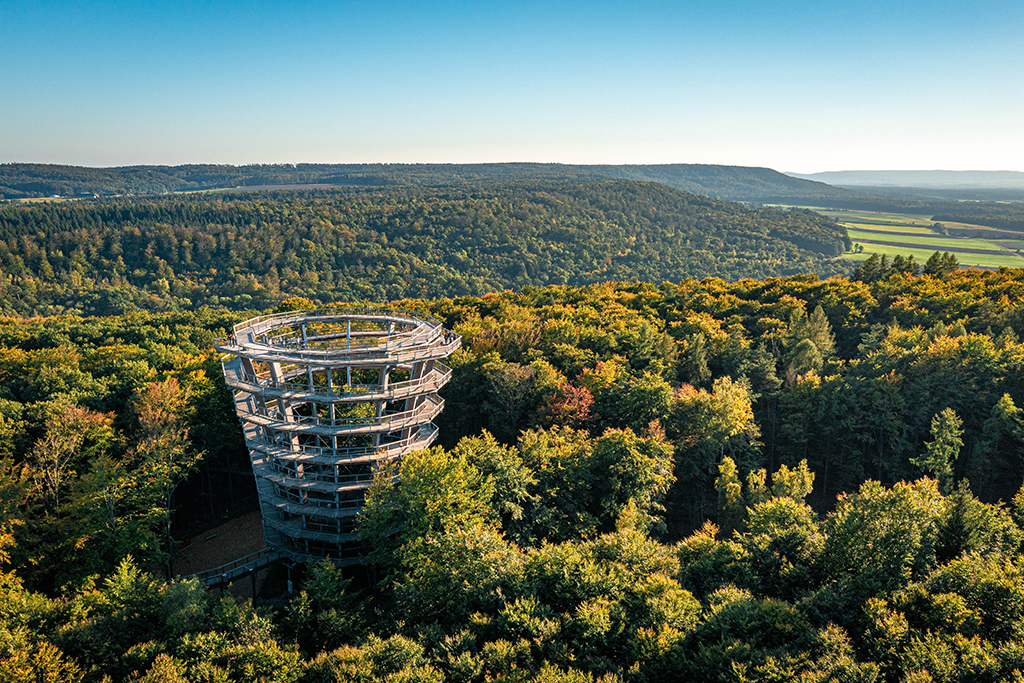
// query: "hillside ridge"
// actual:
[[736, 183]]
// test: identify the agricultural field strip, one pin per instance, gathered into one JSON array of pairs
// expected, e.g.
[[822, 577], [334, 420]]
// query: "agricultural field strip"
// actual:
[[940, 243], [913, 227], [989, 260], [864, 216], [961, 229], [903, 230], [882, 218], [912, 222], [918, 239], [954, 250]]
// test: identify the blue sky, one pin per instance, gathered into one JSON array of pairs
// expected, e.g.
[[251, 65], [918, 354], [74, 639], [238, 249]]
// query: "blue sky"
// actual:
[[794, 85]]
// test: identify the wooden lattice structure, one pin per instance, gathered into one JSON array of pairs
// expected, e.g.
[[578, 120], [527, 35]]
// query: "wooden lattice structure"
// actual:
[[326, 397]]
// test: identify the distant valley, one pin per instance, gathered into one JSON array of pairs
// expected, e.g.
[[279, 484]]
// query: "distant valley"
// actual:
[[990, 180]]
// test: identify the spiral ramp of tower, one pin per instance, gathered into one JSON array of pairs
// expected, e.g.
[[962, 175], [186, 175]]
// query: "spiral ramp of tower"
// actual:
[[327, 397]]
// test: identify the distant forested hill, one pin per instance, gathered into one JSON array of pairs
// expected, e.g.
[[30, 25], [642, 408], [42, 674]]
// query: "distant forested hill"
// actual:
[[23, 181], [736, 183], [253, 250]]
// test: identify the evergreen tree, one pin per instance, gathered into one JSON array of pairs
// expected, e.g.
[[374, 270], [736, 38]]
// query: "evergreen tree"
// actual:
[[905, 265], [875, 268], [814, 327], [696, 361], [809, 341], [941, 264], [939, 455]]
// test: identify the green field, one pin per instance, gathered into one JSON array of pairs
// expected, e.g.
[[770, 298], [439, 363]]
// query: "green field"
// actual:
[[934, 241], [921, 255], [922, 242], [877, 217], [916, 229]]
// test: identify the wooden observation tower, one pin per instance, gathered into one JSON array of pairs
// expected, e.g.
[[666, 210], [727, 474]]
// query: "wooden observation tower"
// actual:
[[326, 397]]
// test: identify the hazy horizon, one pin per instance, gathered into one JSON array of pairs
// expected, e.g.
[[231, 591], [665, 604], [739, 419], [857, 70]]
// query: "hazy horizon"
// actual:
[[796, 174], [801, 86]]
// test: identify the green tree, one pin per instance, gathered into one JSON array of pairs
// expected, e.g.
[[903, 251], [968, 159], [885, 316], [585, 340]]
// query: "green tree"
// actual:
[[991, 586], [730, 497], [326, 613], [874, 268], [805, 357], [111, 515], [781, 547], [905, 265], [694, 368], [882, 537], [163, 451], [809, 340], [706, 426], [585, 484], [430, 492], [516, 494], [25, 661], [795, 484], [645, 400], [15, 487], [446, 576], [636, 469], [512, 395], [970, 526], [941, 264], [73, 433], [996, 459], [940, 454]]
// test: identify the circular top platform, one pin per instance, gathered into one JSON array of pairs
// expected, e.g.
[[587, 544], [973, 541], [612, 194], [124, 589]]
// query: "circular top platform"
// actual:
[[341, 336]]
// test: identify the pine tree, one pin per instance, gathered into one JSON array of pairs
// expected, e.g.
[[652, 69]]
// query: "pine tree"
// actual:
[[906, 265], [939, 455], [814, 327], [809, 341], [874, 268], [941, 264], [696, 363]]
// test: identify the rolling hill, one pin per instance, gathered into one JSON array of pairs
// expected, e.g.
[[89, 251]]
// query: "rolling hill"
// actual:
[[736, 183]]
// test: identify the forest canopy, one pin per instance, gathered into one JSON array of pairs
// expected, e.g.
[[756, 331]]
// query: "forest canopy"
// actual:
[[787, 478]]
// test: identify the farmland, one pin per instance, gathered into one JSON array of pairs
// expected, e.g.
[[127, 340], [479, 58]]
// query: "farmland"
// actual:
[[906, 234]]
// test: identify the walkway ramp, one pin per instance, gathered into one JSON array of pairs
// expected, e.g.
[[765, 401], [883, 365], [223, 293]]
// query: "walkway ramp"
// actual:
[[225, 574]]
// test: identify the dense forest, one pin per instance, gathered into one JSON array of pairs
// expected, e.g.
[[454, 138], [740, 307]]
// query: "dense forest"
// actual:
[[254, 250], [765, 480]]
